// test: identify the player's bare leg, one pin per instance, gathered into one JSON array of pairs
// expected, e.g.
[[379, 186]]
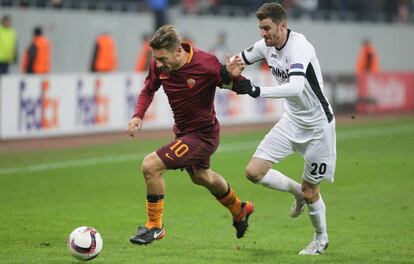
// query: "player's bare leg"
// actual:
[[260, 171], [152, 169], [316, 206], [218, 186]]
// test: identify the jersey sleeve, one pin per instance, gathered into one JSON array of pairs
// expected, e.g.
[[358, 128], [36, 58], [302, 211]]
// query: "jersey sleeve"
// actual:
[[215, 71], [255, 53], [299, 57], [151, 85]]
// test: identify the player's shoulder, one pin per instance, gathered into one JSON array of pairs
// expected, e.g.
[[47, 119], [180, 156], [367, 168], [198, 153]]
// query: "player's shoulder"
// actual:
[[299, 41], [203, 55], [205, 60], [297, 37], [259, 45]]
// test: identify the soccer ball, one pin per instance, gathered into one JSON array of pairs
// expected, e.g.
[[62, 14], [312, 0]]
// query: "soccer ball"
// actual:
[[85, 243]]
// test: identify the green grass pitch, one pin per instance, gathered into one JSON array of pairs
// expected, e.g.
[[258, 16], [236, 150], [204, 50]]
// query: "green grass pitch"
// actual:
[[44, 195]]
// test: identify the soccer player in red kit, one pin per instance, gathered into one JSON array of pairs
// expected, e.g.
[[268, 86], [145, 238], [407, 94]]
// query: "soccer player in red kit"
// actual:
[[189, 78]]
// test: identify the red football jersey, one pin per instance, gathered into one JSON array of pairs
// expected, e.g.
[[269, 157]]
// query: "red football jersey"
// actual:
[[190, 90]]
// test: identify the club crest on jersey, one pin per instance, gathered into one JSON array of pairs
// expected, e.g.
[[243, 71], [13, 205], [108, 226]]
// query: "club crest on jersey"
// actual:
[[190, 82]]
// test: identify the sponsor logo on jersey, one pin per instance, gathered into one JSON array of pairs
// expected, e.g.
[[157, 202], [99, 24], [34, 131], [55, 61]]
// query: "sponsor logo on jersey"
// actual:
[[274, 56], [190, 82], [280, 73], [163, 76], [296, 66], [250, 49]]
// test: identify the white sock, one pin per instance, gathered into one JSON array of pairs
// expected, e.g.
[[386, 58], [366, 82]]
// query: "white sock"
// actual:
[[317, 215], [275, 180]]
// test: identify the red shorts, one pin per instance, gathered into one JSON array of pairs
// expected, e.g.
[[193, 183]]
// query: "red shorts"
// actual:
[[190, 151]]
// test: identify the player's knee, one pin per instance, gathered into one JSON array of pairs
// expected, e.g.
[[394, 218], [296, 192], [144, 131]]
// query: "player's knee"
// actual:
[[148, 167], [203, 178], [310, 195], [253, 175], [196, 179]]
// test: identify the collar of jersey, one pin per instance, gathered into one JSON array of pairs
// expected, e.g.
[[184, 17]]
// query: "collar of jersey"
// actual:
[[187, 47], [287, 38]]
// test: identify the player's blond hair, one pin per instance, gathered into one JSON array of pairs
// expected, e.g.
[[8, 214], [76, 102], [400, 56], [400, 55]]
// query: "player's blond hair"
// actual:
[[166, 37], [274, 11]]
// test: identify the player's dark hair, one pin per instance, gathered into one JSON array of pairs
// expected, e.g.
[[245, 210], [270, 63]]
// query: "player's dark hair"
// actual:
[[275, 11], [165, 37]]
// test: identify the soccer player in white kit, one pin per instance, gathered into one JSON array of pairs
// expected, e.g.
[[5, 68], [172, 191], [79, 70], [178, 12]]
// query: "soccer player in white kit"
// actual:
[[307, 124]]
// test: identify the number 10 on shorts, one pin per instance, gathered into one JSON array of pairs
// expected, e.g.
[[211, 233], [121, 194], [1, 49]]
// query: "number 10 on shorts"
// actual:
[[179, 149]]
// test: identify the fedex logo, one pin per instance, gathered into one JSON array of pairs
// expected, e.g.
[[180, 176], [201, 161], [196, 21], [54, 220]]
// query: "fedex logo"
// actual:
[[37, 109], [131, 102], [131, 99], [264, 106], [92, 109]]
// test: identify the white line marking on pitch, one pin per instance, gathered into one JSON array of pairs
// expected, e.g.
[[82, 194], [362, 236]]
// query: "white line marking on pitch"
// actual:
[[351, 134]]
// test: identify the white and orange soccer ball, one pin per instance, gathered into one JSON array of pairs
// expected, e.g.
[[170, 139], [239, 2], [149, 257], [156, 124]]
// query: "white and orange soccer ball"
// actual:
[[85, 243]]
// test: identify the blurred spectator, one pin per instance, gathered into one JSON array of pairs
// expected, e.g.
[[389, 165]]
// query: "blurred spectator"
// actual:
[[221, 47], [104, 54], [306, 8], [8, 44], [36, 59], [404, 11], [359, 10], [57, 3], [159, 8], [144, 56], [367, 61], [200, 6], [189, 6]]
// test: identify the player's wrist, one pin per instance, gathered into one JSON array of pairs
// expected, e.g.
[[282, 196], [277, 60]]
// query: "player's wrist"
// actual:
[[224, 75], [255, 91]]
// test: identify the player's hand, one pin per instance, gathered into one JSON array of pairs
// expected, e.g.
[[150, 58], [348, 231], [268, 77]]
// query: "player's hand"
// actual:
[[234, 67], [247, 87], [134, 126]]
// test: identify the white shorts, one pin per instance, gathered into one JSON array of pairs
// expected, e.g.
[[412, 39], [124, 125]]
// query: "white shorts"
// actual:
[[317, 146]]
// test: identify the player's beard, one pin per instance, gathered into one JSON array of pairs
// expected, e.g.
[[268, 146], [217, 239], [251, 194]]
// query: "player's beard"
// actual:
[[164, 69], [270, 40]]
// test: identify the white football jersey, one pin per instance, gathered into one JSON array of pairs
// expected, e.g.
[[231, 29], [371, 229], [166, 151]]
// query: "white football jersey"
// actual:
[[309, 108]]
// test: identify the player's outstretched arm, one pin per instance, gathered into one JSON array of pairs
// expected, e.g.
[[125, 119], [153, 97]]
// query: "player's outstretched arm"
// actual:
[[246, 87], [134, 125]]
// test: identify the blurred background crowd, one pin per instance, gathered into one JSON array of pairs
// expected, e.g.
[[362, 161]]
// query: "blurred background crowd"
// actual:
[[359, 10]]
